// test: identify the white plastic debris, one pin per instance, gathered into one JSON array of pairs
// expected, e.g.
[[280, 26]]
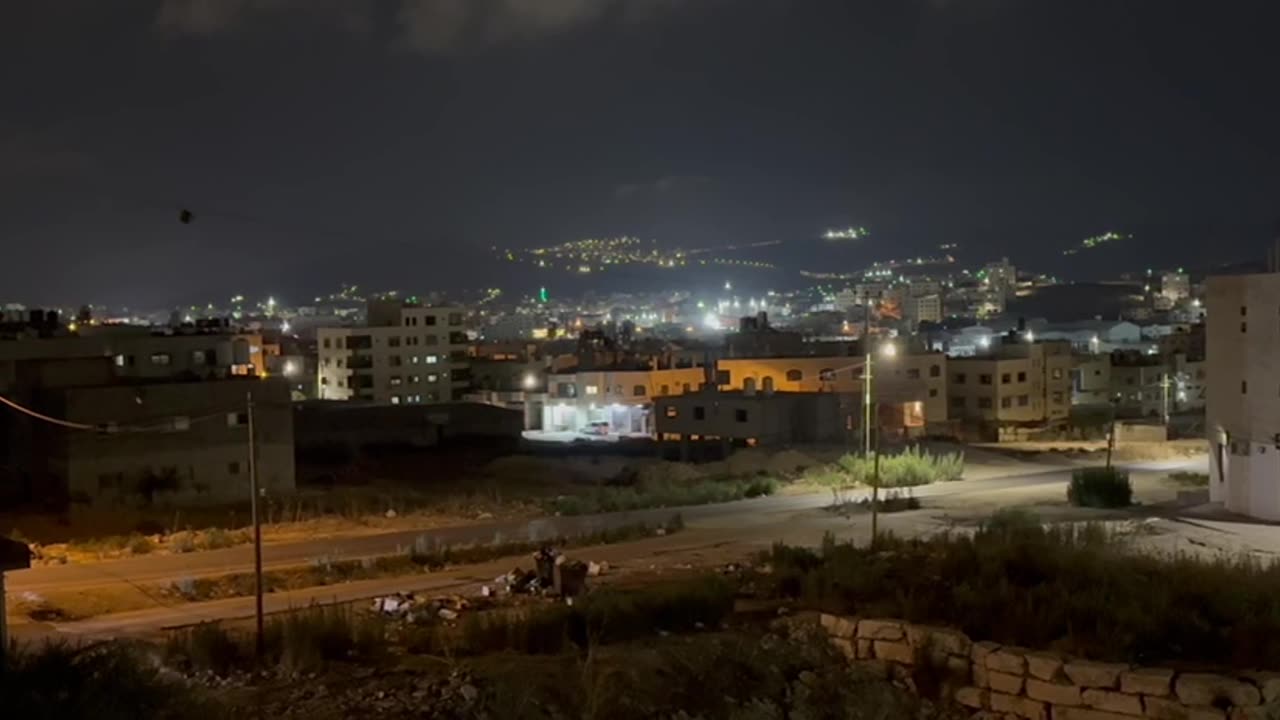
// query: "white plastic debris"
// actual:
[[390, 514], [485, 591], [596, 569], [447, 614]]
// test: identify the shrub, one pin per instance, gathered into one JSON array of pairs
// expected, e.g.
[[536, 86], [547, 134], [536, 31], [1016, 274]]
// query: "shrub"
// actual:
[[105, 681], [913, 466], [1100, 487], [207, 646], [1071, 588], [141, 545], [657, 494]]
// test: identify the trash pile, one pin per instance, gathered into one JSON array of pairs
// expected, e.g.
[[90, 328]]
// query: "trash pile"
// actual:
[[553, 575]]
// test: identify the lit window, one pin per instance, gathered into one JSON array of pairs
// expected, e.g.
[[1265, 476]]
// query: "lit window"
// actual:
[[794, 375], [432, 377], [432, 359], [638, 391], [593, 390], [671, 411], [396, 380], [160, 359], [395, 399], [119, 361]]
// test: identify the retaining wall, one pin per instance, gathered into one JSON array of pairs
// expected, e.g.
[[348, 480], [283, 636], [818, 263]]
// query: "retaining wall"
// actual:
[[996, 681]]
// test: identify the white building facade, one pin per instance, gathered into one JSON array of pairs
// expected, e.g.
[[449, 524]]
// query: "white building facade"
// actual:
[[1242, 417]]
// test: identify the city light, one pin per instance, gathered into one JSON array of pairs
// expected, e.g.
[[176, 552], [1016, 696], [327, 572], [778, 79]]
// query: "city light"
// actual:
[[889, 350], [290, 368], [711, 321], [530, 381], [1031, 336]]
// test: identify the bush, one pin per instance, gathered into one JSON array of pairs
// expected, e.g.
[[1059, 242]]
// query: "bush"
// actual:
[[141, 545], [656, 494], [910, 468], [1070, 588], [304, 639], [106, 681], [207, 646], [1100, 487]]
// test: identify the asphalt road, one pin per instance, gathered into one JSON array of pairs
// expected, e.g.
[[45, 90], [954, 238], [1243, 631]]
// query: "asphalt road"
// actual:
[[163, 569]]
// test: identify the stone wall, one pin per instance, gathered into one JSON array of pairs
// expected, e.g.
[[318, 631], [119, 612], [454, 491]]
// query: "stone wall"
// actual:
[[995, 681]]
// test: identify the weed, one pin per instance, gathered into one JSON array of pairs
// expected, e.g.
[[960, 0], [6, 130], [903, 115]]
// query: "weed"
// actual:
[[141, 545], [1100, 487]]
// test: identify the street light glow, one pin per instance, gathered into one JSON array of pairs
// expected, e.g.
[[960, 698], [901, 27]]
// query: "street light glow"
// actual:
[[530, 381], [889, 350]]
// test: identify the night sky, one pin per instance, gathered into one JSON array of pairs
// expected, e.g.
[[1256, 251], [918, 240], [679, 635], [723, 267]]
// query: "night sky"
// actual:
[[390, 142]]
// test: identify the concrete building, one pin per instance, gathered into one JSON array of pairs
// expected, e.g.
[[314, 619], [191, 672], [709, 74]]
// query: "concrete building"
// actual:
[[613, 402], [158, 441], [1175, 286], [1242, 418], [405, 355], [1017, 382], [911, 388], [1091, 381], [923, 308], [752, 417]]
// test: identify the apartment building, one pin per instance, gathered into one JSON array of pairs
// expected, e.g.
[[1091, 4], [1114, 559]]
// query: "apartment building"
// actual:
[[1242, 417], [406, 354], [1016, 382], [751, 416], [910, 387], [616, 401], [157, 441]]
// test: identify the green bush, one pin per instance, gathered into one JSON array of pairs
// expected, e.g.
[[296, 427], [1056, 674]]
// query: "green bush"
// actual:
[[1100, 487], [104, 681], [1071, 588], [910, 468], [663, 494]]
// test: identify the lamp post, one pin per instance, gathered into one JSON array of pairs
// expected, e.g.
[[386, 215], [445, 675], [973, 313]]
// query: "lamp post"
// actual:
[[888, 350]]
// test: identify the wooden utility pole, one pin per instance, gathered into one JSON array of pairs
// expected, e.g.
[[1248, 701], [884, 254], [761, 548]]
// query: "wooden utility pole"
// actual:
[[259, 637]]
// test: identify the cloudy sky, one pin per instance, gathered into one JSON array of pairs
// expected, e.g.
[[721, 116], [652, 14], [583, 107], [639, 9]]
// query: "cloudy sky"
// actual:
[[389, 142]]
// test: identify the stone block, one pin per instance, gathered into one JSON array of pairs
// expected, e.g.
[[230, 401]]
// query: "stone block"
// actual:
[[979, 675], [1268, 684], [1044, 665], [1080, 713], [1007, 660], [1112, 701], [898, 652], [880, 630], [1088, 674], [1147, 681], [845, 647], [972, 697], [1208, 689], [838, 625], [1019, 706], [980, 650], [1053, 693], [1162, 708], [1004, 682], [865, 649], [1253, 712]]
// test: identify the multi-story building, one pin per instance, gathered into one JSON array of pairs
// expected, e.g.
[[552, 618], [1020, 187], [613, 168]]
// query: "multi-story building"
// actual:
[[1016, 382], [405, 354], [1242, 418], [616, 401], [923, 308], [752, 417], [1175, 286], [162, 440]]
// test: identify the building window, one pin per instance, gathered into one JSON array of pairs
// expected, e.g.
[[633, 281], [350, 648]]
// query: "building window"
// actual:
[[432, 359], [1244, 311], [415, 379], [686, 388], [326, 343], [324, 381], [1006, 402], [957, 402], [429, 319], [740, 415], [1244, 386], [699, 412], [200, 357], [233, 468], [664, 390], [638, 391], [913, 373], [827, 375], [430, 339], [1005, 379], [1244, 327], [935, 371], [1024, 400], [161, 359], [933, 392], [455, 319], [984, 403], [394, 360], [393, 341], [592, 390], [237, 419], [794, 375], [396, 381], [671, 411], [984, 379], [1057, 397], [1057, 375], [959, 378], [433, 377], [395, 399]]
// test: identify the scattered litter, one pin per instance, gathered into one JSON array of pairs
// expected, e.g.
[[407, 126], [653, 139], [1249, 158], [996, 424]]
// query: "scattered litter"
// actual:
[[596, 569], [447, 614], [485, 591], [390, 514]]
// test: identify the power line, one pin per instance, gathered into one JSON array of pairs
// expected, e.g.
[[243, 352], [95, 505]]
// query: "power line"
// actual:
[[46, 418], [171, 424]]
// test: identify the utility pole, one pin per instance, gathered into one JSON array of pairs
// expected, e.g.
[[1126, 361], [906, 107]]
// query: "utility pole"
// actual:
[[1164, 397], [259, 638], [1111, 433], [866, 376], [875, 492]]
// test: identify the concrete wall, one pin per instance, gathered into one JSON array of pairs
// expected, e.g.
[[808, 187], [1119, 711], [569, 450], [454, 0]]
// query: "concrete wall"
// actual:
[[990, 680], [1243, 377]]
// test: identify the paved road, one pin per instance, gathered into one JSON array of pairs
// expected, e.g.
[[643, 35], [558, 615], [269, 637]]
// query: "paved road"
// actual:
[[163, 569]]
